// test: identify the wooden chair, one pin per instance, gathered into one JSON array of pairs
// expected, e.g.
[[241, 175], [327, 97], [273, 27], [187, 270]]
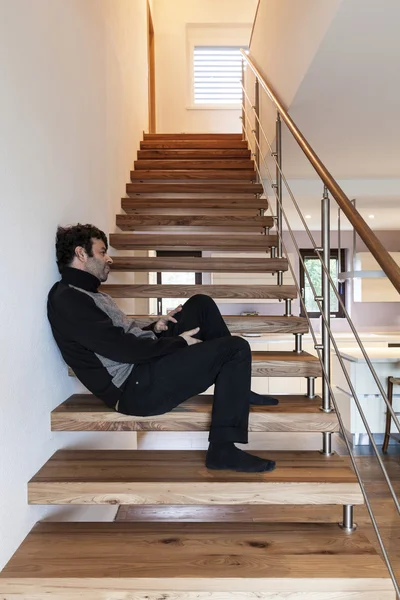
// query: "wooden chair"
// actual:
[[391, 382]]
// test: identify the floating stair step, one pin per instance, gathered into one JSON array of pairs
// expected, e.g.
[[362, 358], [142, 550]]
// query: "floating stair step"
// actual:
[[150, 241], [218, 187], [245, 324], [192, 144], [193, 222], [84, 412], [185, 203], [193, 174], [280, 364], [180, 477], [195, 561], [246, 292], [199, 265], [188, 154], [285, 364], [212, 164], [192, 136]]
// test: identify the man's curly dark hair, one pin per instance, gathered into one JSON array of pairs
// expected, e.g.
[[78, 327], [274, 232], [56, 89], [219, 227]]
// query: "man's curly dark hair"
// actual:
[[68, 238]]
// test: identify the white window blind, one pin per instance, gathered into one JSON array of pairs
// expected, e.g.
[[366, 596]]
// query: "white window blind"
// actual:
[[217, 75]]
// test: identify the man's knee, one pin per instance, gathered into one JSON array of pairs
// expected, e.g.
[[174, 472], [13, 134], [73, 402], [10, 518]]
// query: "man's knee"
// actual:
[[237, 345], [202, 300]]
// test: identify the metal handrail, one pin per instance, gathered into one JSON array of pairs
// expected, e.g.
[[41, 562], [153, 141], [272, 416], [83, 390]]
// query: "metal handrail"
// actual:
[[326, 271], [332, 338], [332, 394], [373, 244], [325, 317]]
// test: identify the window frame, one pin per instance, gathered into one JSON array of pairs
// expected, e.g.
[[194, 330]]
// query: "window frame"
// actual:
[[174, 253], [309, 253]]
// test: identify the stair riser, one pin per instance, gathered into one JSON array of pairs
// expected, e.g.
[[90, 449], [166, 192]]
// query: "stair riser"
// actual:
[[171, 493], [194, 187], [192, 144], [192, 136], [189, 206], [212, 164], [192, 174], [200, 154]]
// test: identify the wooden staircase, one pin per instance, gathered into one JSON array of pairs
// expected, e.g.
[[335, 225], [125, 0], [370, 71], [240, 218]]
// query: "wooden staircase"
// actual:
[[197, 192]]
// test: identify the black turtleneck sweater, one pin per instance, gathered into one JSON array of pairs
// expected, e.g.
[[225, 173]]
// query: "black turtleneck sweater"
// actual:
[[96, 338]]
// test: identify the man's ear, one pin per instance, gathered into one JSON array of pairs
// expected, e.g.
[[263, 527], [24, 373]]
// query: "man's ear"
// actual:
[[81, 253]]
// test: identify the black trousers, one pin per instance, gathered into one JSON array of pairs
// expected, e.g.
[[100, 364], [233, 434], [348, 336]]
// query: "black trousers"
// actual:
[[156, 387]]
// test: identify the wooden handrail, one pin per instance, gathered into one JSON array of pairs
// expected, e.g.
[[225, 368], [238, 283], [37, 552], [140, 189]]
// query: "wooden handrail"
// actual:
[[378, 251]]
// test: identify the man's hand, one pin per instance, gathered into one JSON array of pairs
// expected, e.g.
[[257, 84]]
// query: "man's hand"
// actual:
[[162, 324], [187, 335]]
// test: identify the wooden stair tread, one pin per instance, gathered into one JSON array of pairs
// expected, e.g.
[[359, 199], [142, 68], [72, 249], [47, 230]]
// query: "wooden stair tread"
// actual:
[[159, 241], [195, 561], [282, 364], [206, 187], [225, 206], [180, 477], [85, 412], [199, 265], [198, 163], [247, 324], [192, 144], [192, 136], [193, 174], [183, 222], [245, 292], [199, 153]]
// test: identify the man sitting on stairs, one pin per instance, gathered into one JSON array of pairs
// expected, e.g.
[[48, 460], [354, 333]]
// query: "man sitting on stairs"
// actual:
[[150, 371]]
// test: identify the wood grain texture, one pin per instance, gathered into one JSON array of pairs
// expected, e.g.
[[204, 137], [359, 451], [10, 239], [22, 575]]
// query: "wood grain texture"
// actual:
[[84, 412], [187, 154], [201, 223], [192, 144], [255, 324], [192, 136], [199, 265], [245, 292], [281, 364], [213, 164], [195, 561], [218, 187], [193, 174], [180, 477], [183, 203], [154, 241]]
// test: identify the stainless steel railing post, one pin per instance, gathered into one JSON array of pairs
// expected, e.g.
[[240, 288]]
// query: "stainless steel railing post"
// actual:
[[348, 524], [278, 191], [257, 125], [326, 304]]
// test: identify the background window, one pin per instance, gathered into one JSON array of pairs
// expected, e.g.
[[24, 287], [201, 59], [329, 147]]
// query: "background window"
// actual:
[[217, 75], [164, 305], [313, 266]]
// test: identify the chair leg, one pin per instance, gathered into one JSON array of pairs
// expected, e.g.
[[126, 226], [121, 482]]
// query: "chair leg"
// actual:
[[388, 416]]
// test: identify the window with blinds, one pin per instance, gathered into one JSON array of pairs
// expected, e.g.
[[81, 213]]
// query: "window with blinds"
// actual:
[[217, 75]]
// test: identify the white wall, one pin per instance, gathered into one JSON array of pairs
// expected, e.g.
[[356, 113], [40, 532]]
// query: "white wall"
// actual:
[[171, 21], [73, 104]]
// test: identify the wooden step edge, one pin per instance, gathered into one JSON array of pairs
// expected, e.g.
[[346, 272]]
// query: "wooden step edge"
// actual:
[[192, 136], [247, 324], [199, 265], [85, 412], [314, 561], [193, 175], [245, 292], [279, 364]]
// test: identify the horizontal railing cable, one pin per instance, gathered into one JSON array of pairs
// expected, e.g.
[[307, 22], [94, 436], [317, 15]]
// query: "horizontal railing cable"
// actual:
[[341, 362], [326, 270], [332, 394]]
